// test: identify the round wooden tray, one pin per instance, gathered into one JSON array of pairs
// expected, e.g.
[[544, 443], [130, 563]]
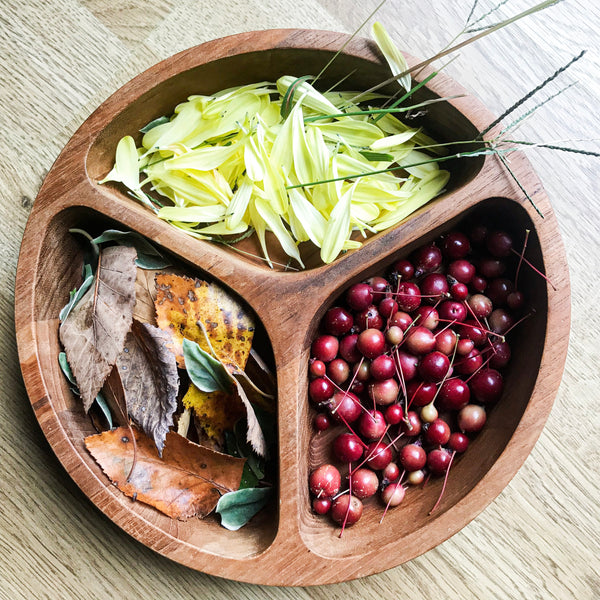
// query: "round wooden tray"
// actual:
[[287, 544]]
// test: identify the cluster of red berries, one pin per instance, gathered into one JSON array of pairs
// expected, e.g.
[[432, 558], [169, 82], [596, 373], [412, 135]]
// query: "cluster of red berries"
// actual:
[[405, 367]]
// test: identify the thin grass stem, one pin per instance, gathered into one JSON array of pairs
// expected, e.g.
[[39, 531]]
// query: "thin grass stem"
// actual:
[[481, 152], [502, 24], [532, 110], [332, 59], [511, 173], [487, 14], [381, 111], [531, 93], [412, 91], [552, 147], [471, 13], [338, 83]]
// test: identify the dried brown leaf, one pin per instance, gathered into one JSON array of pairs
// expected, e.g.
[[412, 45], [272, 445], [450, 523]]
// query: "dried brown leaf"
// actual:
[[94, 332], [145, 294], [114, 394], [187, 481], [254, 434], [150, 380]]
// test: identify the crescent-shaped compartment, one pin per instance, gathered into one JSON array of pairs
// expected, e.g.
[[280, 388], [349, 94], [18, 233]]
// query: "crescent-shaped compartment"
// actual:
[[287, 546], [407, 522], [291, 53], [59, 270]]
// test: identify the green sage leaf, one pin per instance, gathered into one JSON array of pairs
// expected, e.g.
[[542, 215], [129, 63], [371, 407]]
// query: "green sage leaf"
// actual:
[[148, 257], [103, 406], [66, 369], [77, 294], [91, 250], [205, 371], [237, 508], [160, 121], [100, 401]]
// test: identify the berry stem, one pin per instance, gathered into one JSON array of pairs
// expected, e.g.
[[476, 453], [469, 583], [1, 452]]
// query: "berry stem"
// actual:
[[400, 373], [444, 485], [362, 358], [349, 501], [486, 328], [521, 257], [536, 270], [463, 324], [529, 314], [370, 454], [482, 366], [439, 387], [387, 507], [444, 329], [411, 401], [412, 324], [415, 296], [352, 430], [393, 441]]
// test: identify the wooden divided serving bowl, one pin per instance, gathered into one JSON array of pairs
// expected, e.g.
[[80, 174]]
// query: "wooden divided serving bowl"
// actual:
[[286, 544]]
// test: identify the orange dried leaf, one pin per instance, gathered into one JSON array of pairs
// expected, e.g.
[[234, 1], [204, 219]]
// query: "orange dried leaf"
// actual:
[[187, 481], [145, 293], [217, 412], [182, 303]]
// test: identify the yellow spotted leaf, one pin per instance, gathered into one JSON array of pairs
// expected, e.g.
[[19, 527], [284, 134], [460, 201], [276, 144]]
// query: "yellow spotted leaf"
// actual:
[[216, 412], [194, 309]]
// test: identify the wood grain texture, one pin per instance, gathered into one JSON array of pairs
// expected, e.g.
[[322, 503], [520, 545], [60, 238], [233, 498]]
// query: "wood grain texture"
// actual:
[[538, 539]]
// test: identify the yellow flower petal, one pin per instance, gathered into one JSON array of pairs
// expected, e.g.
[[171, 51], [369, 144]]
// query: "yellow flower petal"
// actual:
[[338, 228], [394, 57], [273, 221], [192, 214]]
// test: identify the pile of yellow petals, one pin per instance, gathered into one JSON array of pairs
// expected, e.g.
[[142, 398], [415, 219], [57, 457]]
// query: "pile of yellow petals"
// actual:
[[230, 163]]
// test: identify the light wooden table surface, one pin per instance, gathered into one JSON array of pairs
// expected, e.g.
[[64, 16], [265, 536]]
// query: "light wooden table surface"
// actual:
[[541, 537]]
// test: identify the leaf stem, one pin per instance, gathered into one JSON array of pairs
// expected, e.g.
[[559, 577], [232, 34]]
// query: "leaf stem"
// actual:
[[134, 442]]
